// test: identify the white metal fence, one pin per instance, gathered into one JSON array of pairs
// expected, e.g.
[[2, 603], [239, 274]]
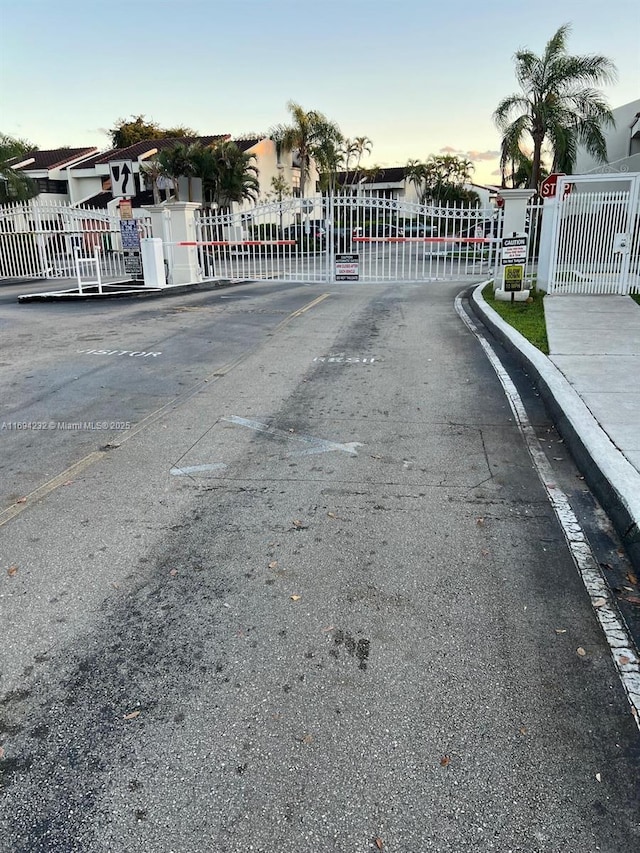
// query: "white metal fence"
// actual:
[[387, 239], [596, 236], [40, 239]]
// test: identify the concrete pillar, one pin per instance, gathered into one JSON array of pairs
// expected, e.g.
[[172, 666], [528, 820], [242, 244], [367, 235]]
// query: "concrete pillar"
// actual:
[[175, 223], [549, 214], [514, 219], [152, 262]]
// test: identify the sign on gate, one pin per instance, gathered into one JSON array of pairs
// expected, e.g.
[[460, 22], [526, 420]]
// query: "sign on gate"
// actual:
[[130, 235], [133, 264], [347, 267]]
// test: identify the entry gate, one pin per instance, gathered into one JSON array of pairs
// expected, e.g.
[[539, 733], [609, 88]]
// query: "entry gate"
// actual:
[[595, 244], [383, 239]]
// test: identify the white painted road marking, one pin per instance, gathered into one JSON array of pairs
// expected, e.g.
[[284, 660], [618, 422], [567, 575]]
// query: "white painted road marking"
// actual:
[[316, 445], [132, 353], [614, 627], [197, 469], [342, 359]]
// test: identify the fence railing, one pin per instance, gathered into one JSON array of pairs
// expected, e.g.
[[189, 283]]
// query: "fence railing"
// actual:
[[41, 239]]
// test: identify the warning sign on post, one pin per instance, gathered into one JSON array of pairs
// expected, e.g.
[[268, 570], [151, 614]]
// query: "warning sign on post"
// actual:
[[347, 267], [129, 234], [513, 277], [514, 250]]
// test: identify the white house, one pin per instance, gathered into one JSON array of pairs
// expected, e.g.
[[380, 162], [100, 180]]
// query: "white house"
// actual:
[[623, 144]]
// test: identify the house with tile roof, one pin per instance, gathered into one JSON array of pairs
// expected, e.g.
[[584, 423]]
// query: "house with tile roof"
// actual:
[[81, 176], [48, 169]]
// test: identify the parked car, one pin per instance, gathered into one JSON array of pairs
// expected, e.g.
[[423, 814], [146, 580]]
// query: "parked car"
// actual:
[[378, 230], [305, 232], [416, 229]]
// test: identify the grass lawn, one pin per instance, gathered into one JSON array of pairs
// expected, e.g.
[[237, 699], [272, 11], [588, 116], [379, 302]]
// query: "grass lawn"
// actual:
[[526, 317], [636, 297]]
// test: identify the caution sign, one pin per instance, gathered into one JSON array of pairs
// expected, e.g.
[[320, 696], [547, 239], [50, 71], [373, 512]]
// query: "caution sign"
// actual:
[[513, 277], [133, 264], [514, 249], [347, 267]]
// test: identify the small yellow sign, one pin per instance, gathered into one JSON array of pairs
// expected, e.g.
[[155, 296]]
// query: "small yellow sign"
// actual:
[[513, 277]]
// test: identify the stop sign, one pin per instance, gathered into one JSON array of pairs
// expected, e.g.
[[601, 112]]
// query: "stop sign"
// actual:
[[550, 184]]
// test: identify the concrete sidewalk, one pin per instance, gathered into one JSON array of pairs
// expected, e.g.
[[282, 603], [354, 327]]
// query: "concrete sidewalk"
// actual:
[[590, 385], [595, 342]]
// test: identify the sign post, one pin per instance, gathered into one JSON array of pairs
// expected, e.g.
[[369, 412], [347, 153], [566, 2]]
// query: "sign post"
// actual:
[[131, 247], [513, 252]]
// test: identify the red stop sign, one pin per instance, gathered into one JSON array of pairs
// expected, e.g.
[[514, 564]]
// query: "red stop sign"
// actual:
[[549, 185]]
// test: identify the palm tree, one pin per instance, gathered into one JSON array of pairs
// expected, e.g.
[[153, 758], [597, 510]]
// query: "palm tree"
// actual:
[[236, 178], [516, 167], [558, 104], [14, 186], [415, 173], [309, 133], [177, 162]]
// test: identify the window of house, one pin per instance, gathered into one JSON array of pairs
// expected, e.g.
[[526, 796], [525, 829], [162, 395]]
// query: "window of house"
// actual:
[[46, 185]]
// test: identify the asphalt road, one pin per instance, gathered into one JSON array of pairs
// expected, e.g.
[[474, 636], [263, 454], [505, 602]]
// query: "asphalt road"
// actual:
[[310, 597]]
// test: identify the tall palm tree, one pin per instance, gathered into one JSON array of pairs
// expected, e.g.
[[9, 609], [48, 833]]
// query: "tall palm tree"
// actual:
[[237, 175], [14, 186], [177, 162], [557, 104], [309, 133], [416, 174]]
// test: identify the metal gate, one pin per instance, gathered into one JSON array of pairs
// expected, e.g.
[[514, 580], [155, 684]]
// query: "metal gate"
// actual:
[[40, 239], [595, 244], [381, 239]]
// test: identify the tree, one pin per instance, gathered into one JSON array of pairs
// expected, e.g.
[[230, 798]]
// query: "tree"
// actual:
[[516, 167], [558, 104], [311, 133], [14, 186], [416, 174], [234, 177], [140, 129], [354, 149], [228, 174], [441, 179], [177, 162]]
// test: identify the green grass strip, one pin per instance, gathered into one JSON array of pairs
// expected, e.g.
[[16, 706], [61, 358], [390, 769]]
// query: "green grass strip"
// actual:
[[526, 317]]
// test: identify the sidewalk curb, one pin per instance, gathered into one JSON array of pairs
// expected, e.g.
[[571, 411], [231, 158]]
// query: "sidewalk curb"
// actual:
[[612, 478]]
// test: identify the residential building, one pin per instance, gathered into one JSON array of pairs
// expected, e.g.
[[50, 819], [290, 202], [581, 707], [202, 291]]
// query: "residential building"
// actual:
[[623, 144]]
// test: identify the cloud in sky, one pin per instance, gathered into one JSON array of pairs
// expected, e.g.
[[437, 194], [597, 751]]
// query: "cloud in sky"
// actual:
[[476, 156]]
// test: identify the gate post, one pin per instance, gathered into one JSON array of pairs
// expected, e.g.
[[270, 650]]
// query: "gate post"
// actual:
[[514, 219], [547, 232], [183, 260]]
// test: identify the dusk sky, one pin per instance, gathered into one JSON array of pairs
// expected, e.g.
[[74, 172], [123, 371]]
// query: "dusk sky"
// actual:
[[417, 78]]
